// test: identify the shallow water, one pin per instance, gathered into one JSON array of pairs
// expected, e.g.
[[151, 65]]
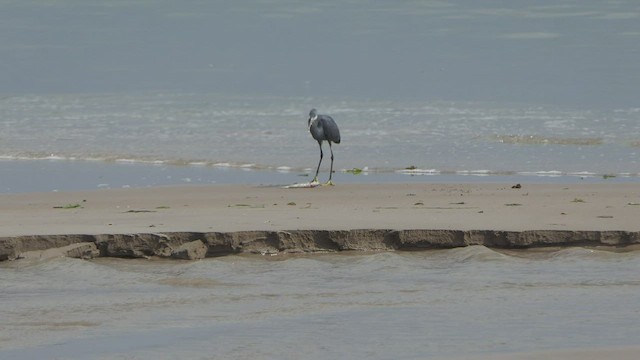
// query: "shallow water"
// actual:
[[271, 133], [63, 175], [401, 305]]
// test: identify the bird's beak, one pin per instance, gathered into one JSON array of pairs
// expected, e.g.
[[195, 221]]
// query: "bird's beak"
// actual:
[[309, 122]]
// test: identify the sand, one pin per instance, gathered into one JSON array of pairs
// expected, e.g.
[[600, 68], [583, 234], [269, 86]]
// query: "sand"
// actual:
[[241, 208], [341, 207]]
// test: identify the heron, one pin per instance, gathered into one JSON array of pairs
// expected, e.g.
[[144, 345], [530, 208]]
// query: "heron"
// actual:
[[323, 128]]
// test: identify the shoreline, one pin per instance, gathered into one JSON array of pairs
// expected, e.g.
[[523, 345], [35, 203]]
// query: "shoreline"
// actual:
[[199, 221], [195, 246], [45, 175]]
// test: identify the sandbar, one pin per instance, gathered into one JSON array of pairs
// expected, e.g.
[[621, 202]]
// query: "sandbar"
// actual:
[[344, 207]]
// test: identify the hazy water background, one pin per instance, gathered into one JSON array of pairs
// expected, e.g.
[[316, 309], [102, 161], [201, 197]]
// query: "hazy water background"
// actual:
[[448, 87], [97, 94], [397, 305]]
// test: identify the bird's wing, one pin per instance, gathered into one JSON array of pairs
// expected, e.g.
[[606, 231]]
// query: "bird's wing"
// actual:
[[330, 128]]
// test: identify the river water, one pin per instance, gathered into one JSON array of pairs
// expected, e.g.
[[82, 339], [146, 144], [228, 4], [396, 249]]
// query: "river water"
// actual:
[[69, 142], [271, 133], [395, 305], [457, 87]]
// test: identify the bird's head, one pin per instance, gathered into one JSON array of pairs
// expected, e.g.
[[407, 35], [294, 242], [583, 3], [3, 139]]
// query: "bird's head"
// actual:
[[313, 114]]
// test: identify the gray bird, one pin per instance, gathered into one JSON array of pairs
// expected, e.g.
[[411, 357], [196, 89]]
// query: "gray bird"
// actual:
[[322, 127]]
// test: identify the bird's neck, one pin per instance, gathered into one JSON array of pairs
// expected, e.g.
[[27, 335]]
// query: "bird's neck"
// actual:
[[312, 121]]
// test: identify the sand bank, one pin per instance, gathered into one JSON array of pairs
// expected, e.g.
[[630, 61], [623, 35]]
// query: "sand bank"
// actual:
[[189, 221]]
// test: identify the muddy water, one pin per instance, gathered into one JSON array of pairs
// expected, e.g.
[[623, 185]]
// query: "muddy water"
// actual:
[[384, 305]]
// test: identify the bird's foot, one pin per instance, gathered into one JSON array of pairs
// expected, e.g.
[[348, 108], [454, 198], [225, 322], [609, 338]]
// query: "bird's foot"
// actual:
[[315, 181], [329, 183]]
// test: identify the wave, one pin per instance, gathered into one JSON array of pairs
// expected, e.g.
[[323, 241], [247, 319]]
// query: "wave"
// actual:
[[484, 172], [132, 160], [475, 253], [545, 140], [250, 166]]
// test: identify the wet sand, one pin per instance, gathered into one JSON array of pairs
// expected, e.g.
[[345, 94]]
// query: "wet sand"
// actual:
[[595, 207]]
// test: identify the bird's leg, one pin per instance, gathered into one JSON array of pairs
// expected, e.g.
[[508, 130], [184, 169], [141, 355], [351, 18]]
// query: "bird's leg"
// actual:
[[315, 178], [331, 170]]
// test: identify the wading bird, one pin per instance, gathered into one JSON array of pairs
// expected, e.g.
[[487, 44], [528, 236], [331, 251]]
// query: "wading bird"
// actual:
[[322, 127]]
